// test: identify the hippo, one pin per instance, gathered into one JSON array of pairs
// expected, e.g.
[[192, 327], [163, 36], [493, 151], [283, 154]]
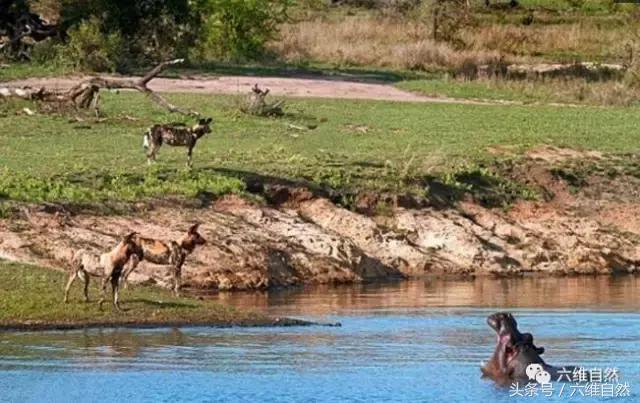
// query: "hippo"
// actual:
[[515, 353]]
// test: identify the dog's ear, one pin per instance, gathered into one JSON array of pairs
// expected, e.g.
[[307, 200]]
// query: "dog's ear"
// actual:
[[127, 238], [209, 120], [194, 228]]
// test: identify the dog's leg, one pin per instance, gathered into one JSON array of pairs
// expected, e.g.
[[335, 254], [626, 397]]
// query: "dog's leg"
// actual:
[[104, 290], [85, 277], [153, 150], [115, 281], [133, 263], [177, 279], [190, 155], [72, 278]]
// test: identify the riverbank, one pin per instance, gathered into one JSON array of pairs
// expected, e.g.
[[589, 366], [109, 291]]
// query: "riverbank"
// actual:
[[551, 212], [334, 192], [31, 300]]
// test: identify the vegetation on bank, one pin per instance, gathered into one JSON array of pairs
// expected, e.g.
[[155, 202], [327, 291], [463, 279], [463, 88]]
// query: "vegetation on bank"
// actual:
[[346, 145], [31, 298]]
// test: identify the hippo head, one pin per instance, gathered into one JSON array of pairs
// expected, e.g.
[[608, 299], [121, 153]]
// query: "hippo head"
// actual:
[[514, 350], [506, 328]]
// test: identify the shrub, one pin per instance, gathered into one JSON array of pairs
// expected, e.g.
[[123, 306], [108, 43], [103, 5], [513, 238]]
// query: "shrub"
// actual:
[[162, 38], [239, 29], [149, 30], [89, 49]]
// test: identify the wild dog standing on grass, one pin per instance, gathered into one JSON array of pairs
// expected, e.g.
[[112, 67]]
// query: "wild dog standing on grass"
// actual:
[[174, 134], [109, 266], [171, 253]]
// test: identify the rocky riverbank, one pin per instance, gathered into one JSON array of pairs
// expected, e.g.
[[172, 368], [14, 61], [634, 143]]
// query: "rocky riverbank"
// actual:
[[580, 225]]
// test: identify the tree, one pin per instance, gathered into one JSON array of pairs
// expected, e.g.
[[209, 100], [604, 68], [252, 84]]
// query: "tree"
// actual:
[[448, 18], [17, 22]]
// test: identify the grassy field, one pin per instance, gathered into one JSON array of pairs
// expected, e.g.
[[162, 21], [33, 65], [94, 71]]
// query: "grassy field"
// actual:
[[31, 297], [566, 90], [355, 145]]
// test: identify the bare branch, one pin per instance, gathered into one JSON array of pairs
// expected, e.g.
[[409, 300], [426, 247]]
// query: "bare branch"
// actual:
[[158, 69]]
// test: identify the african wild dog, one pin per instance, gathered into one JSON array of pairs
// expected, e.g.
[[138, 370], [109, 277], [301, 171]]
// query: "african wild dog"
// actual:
[[110, 266], [171, 253], [174, 134]]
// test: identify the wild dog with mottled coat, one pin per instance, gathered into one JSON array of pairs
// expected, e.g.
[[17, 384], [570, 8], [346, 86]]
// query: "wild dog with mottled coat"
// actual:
[[174, 134], [110, 266], [171, 253]]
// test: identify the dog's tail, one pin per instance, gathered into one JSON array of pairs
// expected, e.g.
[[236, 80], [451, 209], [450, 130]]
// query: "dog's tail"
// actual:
[[146, 139], [77, 259]]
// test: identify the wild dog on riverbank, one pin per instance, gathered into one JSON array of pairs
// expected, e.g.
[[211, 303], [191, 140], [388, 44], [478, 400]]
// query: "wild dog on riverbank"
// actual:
[[171, 253], [109, 266], [174, 134]]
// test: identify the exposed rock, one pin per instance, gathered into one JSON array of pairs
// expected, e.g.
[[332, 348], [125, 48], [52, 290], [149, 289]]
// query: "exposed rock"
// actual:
[[306, 239]]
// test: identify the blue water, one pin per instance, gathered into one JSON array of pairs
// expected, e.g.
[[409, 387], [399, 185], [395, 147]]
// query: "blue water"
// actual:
[[405, 347]]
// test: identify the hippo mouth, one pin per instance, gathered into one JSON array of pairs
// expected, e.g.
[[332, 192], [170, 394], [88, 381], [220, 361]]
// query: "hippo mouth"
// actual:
[[509, 349], [510, 344]]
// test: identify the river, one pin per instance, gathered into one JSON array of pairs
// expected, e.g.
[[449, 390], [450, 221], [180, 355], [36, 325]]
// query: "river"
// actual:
[[412, 341]]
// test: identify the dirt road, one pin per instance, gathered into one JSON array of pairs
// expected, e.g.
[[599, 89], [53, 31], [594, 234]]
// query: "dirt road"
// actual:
[[290, 87]]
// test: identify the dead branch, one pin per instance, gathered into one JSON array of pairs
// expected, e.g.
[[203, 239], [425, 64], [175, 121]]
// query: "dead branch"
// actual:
[[85, 94]]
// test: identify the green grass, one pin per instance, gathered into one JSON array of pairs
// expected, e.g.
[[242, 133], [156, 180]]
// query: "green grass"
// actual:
[[474, 90], [19, 70], [356, 145], [31, 297], [551, 90]]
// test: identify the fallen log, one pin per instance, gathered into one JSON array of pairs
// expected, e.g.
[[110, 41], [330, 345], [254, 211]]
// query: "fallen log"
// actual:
[[86, 94]]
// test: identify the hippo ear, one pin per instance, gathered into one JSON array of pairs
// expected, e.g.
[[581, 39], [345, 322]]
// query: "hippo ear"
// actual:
[[194, 228], [128, 237]]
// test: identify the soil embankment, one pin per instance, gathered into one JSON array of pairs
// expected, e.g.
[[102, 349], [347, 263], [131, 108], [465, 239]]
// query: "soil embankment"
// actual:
[[580, 225]]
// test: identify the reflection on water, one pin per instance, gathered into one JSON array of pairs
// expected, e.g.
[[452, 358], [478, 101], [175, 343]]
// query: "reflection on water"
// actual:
[[584, 292], [418, 341]]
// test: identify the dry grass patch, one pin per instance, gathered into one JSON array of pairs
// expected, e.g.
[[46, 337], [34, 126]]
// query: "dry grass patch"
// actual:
[[404, 42], [372, 40], [587, 41]]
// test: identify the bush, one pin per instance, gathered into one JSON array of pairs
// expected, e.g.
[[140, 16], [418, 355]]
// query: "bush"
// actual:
[[239, 29], [49, 52], [161, 38], [149, 30], [89, 49]]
